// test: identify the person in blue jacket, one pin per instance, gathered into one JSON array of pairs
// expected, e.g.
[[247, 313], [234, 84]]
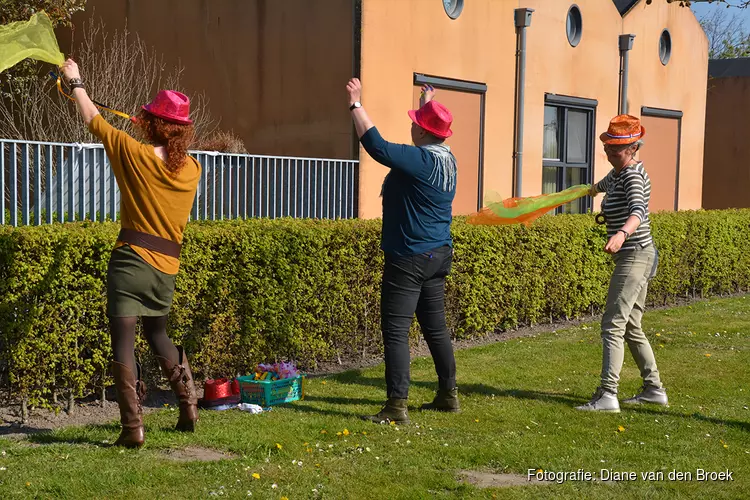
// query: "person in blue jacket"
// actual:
[[416, 240]]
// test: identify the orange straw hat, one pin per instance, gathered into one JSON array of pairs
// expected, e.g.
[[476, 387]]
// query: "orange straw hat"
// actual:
[[623, 129]]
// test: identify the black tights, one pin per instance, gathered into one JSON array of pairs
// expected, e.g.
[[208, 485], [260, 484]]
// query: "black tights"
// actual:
[[122, 331]]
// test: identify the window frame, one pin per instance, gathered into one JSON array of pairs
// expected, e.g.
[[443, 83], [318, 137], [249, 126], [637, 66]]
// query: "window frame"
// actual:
[[665, 42], [456, 8], [575, 17], [564, 104]]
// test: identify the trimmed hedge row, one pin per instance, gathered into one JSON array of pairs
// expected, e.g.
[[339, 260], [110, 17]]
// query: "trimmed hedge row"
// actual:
[[261, 290]]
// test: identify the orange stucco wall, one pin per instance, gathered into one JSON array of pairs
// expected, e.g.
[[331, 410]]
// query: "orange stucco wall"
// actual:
[[274, 71], [402, 38], [589, 70], [680, 85]]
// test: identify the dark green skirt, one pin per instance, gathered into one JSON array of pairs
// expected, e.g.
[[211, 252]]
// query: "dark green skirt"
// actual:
[[135, 287]]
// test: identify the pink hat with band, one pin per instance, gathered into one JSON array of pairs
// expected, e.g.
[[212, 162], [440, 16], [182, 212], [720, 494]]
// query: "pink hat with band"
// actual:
[[434, 118], [171, 106]]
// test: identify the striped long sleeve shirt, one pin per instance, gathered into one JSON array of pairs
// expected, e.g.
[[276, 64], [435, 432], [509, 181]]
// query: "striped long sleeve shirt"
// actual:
[[627, 193]]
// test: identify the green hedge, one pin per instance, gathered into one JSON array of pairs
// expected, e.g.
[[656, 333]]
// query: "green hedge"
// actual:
[[261, 290]]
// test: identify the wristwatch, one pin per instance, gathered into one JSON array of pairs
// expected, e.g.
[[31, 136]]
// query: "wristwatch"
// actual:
[[75, 83], [355, 106]]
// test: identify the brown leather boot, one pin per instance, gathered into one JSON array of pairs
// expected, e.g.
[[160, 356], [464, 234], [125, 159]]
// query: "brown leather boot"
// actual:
[[181, 379], [130, 394]]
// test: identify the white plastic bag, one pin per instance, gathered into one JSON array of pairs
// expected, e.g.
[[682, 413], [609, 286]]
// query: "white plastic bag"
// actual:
[[251, 408]]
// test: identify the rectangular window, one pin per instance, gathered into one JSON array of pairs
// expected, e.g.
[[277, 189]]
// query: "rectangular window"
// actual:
[[568, 147]]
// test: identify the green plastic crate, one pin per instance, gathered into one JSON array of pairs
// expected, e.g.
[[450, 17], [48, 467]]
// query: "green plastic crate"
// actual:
[[271, 392]]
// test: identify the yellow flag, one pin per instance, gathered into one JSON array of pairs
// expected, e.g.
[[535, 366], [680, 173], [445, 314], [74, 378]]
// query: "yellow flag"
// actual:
[[34, 39]]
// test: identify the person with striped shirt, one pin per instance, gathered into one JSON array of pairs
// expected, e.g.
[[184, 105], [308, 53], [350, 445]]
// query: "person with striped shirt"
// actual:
[[627, 189]]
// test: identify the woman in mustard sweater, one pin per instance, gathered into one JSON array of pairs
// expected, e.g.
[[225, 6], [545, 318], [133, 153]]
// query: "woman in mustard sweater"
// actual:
[[157, 182]]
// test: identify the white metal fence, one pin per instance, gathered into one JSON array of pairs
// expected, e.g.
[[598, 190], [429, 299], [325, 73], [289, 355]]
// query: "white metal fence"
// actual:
[[45, 182]]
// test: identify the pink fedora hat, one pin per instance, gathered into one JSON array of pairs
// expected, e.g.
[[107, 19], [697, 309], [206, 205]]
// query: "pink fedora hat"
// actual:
[[434, 118], [170, 105]]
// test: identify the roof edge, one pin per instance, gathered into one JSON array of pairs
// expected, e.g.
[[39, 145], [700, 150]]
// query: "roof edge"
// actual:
[[729, 68], [625, 6]]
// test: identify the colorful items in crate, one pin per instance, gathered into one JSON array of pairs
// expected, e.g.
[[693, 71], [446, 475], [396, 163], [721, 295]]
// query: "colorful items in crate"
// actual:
[[272, 384], [276, 371], [220, 394]]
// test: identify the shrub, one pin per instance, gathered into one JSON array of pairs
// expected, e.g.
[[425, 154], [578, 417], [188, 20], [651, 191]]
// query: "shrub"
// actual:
[[224, 142], [264, 290]]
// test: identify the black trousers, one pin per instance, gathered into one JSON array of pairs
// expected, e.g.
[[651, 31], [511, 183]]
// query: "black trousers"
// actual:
[[416, 284]]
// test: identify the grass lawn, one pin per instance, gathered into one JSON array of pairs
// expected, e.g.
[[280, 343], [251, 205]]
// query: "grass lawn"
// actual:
[[517, 398]]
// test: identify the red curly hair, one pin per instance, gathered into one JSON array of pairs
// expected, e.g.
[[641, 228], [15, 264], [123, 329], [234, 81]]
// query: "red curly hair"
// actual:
[[176, 138]]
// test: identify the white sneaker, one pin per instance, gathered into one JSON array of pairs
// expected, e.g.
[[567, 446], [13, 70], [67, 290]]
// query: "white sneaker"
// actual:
[[649, 395], [602, 401]]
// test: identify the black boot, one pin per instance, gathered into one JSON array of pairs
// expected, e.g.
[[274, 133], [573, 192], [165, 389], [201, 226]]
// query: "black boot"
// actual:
[[445, 400], [395, 410]]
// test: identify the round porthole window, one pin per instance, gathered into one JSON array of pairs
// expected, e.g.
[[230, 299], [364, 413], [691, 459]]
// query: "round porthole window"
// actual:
[[665, 47], [453, 8], [574, 25]]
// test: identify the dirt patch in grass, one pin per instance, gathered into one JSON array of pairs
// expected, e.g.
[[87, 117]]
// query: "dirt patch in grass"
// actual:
[[197, 454], [490, 480]]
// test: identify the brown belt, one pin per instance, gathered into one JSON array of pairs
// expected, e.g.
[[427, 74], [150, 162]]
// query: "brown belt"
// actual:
[[150, 242]]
